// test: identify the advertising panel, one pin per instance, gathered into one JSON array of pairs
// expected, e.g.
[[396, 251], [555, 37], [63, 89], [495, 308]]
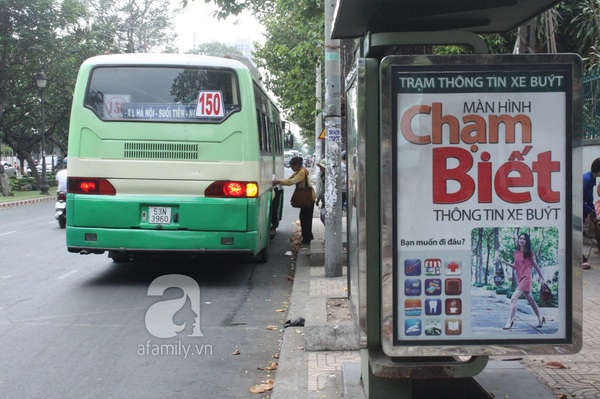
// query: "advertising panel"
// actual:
[[478, 222]]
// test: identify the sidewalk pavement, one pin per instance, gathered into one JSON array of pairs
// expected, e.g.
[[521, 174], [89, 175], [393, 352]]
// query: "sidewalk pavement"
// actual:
[[308, 370]]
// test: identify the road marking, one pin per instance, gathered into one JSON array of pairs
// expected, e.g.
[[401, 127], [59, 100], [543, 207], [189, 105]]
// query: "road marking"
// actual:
[[6, 277], [54, 221], [67, 274], [7, 233]]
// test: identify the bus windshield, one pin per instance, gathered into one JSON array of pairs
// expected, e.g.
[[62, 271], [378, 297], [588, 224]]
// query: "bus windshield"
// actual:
[[162, 94]]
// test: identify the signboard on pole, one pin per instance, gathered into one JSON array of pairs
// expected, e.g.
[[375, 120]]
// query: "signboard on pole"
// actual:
[[480, 188]]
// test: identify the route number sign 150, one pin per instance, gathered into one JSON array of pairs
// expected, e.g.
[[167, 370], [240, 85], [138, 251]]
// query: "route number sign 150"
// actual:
[[210, 104]]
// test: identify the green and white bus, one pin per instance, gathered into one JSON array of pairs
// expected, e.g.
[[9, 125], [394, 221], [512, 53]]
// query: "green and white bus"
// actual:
[[172, 154]]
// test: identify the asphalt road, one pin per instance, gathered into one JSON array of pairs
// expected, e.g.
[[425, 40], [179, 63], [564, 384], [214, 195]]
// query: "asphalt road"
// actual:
[[76, 326]]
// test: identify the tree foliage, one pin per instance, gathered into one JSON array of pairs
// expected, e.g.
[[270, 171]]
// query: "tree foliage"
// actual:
[[133, 26], [290, 55], [292, 50], [295, 38], [579, 30], [216, 49], [36, 35], [56, 36]]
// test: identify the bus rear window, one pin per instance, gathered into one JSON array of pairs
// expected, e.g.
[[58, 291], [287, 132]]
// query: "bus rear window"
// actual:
[[162, 94]]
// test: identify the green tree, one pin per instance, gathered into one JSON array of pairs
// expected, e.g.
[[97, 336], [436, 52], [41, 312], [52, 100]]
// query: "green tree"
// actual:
[[216, 49], [290, 55], [134, 26], [56, 36], [294, 44], [581, 21], [34, 36]]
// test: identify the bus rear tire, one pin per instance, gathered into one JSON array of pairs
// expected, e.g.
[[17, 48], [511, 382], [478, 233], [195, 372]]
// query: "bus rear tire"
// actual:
[[119, 257], [263, 255]]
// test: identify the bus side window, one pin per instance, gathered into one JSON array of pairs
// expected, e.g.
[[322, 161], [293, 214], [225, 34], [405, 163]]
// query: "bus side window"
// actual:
[[267, 133], [259, 129]]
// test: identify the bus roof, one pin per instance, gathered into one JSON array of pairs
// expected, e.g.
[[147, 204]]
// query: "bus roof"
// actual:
[[163, 59]]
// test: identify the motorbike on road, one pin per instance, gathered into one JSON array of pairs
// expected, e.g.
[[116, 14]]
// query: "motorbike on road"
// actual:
[[60, 209]]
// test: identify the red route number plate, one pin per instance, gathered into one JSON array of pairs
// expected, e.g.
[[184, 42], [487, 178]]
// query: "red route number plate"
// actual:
[[210, 104]]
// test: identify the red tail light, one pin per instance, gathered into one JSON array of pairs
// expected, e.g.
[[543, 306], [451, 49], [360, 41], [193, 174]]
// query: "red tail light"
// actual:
[[232, 189], [87, 185], [62, 196]]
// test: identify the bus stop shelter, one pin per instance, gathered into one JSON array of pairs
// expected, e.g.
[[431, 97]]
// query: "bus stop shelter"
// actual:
[[380, 23]]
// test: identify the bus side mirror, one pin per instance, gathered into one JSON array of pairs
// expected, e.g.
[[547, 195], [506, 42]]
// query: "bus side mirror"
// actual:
[[288, 140]]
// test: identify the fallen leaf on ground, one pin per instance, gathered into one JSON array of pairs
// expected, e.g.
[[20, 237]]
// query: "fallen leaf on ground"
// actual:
[[280, 310], [268, 385], [257, 389], [272, 366], [272, 328], [554, 364], [236, 352]]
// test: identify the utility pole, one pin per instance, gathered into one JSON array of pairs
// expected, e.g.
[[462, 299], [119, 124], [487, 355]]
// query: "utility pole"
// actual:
[[525, 38], [332, 116], [319, 117]]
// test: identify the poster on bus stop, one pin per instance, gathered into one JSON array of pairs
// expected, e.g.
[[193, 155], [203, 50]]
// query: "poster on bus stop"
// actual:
[[482, 204]]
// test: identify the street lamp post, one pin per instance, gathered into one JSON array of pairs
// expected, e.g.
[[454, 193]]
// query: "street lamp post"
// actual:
[[40, 80]]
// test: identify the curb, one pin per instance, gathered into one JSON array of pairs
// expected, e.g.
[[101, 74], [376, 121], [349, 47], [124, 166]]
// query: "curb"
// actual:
[[27, 201], [291, 380]]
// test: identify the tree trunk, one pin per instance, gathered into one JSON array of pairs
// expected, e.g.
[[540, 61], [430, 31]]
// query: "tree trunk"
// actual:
[[5, 183]]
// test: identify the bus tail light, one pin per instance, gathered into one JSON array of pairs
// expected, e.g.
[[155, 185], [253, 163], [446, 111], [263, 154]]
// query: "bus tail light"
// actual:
[[232, 189], [87, 185]]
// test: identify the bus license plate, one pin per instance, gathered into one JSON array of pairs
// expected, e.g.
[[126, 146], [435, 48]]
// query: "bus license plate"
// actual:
[[159, 214]]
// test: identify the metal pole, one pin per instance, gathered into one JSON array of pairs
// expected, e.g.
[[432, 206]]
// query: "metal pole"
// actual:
[[44, 181], [332, 115], [318, 117]]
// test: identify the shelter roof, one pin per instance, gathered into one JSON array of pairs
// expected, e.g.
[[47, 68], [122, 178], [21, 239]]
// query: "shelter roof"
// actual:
[[353, 18]]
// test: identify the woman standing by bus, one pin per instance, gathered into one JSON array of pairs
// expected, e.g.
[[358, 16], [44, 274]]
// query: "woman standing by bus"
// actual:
[[301, 177]]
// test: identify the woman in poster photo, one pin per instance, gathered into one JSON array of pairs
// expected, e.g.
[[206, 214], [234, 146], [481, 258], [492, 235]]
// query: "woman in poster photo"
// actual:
[[524, 262]]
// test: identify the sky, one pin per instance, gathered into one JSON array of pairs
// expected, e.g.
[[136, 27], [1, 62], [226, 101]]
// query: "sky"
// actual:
[[197, 19]]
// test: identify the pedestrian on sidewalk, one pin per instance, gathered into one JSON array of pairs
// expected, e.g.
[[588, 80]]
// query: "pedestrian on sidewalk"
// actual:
[[524, 262], [301, 177], [589, 210]]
